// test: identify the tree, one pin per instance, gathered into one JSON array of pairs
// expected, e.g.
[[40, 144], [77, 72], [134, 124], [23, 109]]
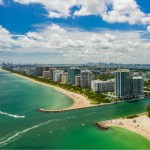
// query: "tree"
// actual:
[[148, 111]]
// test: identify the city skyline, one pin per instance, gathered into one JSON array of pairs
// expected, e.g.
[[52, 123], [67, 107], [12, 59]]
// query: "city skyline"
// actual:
[[107, 31]]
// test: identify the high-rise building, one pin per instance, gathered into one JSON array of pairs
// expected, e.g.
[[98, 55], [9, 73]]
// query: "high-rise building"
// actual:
[[123, 83], [137, 86], [86, 78], [103, 86], [40, 69], [77, 80], [72, 72], [46, 74], [64, 78], [57, 75], [127, 86], [30, 71], [51, 72]]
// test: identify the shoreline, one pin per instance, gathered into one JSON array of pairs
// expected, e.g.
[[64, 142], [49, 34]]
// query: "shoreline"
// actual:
[[79, 101], [139, 125]]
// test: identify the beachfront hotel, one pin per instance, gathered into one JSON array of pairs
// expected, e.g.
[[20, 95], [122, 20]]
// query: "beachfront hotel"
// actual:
[[52, 72], [103, 86], [46, 74], [86, 78], [72, 72], [64, 78], [137, 86], [57, 75], [127, 86], [122, 83], [40, 69], [77, 80]]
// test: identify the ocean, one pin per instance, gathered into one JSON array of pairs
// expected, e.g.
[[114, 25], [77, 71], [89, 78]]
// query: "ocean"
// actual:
[[22, 126]]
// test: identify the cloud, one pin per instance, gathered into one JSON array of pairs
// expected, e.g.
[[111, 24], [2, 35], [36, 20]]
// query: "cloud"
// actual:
[[78, 46], [55, 8], [148, 28], [6, 39], [88, 7], [1, 2], [54, 15], [125, 11], [112, 11]]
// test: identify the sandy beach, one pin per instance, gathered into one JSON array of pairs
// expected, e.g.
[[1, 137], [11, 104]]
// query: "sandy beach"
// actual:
[[80, 101], [140, 125]]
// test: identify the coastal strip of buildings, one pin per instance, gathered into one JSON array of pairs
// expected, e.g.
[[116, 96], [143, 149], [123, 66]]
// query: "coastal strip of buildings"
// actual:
[[125, 85]]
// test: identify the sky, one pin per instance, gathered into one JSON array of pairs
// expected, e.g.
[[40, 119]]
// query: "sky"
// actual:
[[75, 31]]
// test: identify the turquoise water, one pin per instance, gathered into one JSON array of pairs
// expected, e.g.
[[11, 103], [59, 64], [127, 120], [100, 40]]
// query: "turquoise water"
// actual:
[[67, 130]]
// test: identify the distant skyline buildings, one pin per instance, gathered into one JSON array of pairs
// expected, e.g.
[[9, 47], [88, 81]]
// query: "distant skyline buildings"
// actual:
[[97, 64]]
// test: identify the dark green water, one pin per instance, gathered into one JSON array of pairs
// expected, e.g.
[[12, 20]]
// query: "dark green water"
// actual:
[[66, 130]]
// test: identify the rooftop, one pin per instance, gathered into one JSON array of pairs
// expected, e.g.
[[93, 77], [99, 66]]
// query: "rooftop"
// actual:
[[123, 70], [139, 77]]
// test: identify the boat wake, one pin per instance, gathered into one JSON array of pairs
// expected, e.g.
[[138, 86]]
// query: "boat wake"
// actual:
[[13, 137], [11, 115], [21, 132]]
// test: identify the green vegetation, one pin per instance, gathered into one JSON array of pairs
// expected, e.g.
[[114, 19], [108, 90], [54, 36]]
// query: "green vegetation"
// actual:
[[95, 98], [147, 83], [147, 87], [132, 116], [148, 111], [104, 77]]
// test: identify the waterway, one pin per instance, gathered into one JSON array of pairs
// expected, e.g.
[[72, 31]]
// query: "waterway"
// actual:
[[23, 127]]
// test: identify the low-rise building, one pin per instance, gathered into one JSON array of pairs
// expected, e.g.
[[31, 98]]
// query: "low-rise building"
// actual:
[[103, 86]]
